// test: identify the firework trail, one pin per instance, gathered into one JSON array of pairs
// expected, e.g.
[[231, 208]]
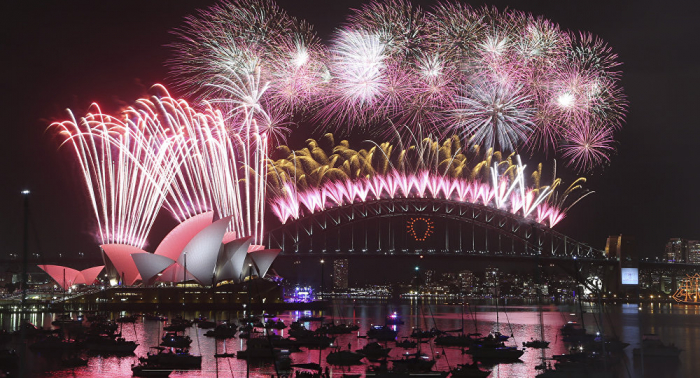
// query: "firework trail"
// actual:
[[127, 166], [231, 41], [507, 80], [164, 153], [311, 180], [587, 147]]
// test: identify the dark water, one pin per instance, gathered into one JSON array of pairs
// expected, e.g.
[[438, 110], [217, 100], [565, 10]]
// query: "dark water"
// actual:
[[677, 324]]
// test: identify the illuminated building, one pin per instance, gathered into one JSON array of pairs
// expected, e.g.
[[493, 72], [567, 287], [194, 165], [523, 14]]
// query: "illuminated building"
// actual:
[[693, 251], [622, 247], [491, 281], [429, 276], [198, 249], [676, 251], [466, 280], [67, 277], [340, 274]]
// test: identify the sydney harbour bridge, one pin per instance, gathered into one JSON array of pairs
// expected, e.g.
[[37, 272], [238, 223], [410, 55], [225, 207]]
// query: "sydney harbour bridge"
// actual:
[[405, 227], [415, 226]]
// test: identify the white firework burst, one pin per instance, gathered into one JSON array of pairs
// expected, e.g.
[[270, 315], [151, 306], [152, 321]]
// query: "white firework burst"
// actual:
[[494, 115]]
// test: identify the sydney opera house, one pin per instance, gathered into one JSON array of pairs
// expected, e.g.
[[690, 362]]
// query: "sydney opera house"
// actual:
[[198, 250]]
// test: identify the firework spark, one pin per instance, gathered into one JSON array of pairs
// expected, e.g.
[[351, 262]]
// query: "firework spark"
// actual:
[[493, 115], [127, 166], [517, 81], [165, 154], [588, 146], [311, 180]]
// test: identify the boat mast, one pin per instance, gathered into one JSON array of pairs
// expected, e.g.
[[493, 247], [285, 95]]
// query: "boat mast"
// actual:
[[25, 256]]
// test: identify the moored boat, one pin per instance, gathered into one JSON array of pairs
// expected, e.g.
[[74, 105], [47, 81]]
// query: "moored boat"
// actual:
[[172, 339], [652, 346], [539, 344], [222, 331], [469, 371], [393, 319], [172, 358], [413, 362], [381, 333], [344, 358], [374, 351], [107, 344], [501, 353], [406, 344], [258, 348]]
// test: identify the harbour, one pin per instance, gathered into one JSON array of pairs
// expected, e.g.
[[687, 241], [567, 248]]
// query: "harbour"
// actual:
[[674, 324]]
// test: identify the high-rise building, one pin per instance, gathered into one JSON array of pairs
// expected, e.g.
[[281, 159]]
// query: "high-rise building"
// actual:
[[676, 251], [623, 247], [340, 274], [429, 276], [491, 281], [693, 251], [449, 278], [466, 279]]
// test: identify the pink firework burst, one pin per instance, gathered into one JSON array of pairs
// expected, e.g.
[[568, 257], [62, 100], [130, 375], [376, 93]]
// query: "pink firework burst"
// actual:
[[396, 64], [587, 146]]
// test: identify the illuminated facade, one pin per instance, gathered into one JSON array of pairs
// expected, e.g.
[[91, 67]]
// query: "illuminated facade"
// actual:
[[67, 277], [676, 251], [694, 252], [198, 249], [466, 281], [340, 274], [491, 281], [622, 247]]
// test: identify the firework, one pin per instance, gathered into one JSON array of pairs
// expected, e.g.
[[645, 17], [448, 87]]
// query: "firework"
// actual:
[[165, 154], [310, 180], [359, 78], [127, 166], [507, 79], [587, 146], [231, 40], [493, 114]]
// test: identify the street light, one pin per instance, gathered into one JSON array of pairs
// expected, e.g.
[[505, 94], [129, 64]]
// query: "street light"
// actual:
[[322, 283]]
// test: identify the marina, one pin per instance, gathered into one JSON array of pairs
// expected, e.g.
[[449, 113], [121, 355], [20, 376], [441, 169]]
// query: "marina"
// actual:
[[355, 353]]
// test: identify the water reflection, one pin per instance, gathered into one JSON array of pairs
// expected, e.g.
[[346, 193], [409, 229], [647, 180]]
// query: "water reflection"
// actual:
[[677, 324]]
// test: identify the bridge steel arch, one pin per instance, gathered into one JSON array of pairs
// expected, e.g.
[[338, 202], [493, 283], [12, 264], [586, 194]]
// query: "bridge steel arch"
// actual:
[[366, 229]]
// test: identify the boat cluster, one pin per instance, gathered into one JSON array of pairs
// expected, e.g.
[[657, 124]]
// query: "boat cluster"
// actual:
[[376, 352], [70, 341], [595, 355], [590, 355]]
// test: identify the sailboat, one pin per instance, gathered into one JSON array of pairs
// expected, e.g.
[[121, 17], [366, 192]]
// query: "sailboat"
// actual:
[[689, 290], [539, 344], [493, 347]]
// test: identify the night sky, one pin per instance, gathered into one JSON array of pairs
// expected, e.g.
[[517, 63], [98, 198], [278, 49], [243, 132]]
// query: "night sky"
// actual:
[[58, 55]]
